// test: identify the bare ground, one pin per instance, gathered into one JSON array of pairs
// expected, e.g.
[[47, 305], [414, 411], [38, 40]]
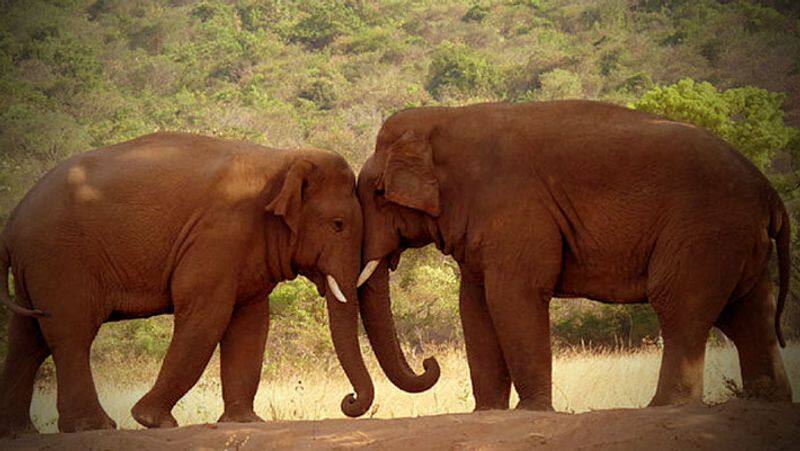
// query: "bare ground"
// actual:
[[733, 425]]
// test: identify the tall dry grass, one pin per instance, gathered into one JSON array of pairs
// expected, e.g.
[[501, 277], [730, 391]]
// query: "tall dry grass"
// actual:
[[582, 380]]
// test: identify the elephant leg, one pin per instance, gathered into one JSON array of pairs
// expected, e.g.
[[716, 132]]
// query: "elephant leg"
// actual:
[[69, 331], [242, 353], [680, 379], [491, 383], [203, 304], [750, 323], [520, 315], [26, 352], [687, 288], [79, 408]]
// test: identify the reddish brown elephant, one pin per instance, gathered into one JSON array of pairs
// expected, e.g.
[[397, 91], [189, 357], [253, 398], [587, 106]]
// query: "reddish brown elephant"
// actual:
[[176, 223], [576, 199]]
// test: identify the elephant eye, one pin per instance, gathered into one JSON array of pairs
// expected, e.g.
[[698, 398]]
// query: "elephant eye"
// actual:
[[338, 224], [379, 192]]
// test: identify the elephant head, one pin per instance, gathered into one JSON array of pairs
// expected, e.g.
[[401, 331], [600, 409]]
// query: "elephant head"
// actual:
[[315, 205], [399, 195]]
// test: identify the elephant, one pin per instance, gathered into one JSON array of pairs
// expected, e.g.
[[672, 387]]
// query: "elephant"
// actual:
[[172, 223], [574, 199]]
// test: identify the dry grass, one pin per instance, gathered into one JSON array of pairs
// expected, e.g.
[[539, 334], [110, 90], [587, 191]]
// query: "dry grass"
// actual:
[[583, 380]]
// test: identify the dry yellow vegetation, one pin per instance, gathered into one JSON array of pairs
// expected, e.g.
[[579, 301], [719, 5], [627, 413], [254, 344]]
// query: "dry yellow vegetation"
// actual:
[[583, 380]]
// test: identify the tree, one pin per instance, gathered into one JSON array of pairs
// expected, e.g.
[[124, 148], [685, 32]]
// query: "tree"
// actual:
[[748, 118]]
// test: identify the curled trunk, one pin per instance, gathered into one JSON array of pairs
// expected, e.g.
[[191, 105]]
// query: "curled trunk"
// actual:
[[344, 333], [376, 313]]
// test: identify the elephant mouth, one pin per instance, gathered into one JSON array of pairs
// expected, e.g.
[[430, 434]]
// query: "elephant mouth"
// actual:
[[325, 282]]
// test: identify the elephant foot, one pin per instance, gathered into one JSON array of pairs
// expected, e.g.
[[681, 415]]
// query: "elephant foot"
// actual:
[[535, 404], [662, 402], [674, 398], [152, 416], [240, 416], [499, 405], [92, 422]]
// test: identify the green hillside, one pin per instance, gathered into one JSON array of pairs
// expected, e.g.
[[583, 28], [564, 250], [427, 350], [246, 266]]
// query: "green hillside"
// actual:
[[79, 74]]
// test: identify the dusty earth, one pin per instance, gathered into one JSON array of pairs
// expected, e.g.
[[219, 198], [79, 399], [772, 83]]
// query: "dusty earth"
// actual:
[[733, 425]]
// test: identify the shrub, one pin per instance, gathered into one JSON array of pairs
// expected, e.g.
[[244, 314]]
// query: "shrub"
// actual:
[[559, 84], [322, 91], [141, 338], [323, 23], [580, 322], [534, 4], [748, 118], [257, 15], [457, 69], [380, 40], [287, 299], [425, 304], [476, 13], [637, 83]]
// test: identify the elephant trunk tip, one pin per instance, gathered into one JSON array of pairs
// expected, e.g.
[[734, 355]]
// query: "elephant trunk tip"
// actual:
[[353, 406], [431, 374], [424, 381]]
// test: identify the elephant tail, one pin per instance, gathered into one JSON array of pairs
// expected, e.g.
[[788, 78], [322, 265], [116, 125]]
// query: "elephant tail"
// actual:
[[4, 292], [781, 231]]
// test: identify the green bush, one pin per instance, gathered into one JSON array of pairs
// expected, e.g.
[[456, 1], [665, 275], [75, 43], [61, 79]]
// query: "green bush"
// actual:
[[637, 83], [379, 40], [559, 84], [322, 89], [476, 13], [287, 299], [425, 304], [579, 322], [140, 338], [323, 22], [749, 118], [534, 4], [274, 16], [457, 69]]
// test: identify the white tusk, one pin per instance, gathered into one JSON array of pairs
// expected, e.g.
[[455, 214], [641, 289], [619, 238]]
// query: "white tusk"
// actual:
[[366, 273], [337, 293]]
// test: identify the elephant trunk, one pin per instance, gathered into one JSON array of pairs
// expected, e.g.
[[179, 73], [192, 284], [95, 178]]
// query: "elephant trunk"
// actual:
[[343, 318], [376, 313]]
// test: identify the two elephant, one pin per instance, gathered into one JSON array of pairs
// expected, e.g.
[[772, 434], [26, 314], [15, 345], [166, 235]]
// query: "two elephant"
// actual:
[[593, 200]]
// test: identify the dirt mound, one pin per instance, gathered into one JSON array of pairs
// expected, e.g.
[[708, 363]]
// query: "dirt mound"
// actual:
[[734, 425]]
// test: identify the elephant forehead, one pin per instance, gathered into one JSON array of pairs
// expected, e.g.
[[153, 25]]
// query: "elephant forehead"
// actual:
[[371, 170], [341, 179]]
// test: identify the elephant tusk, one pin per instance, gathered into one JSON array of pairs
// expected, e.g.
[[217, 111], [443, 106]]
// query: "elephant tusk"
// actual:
[[367, 272], [337, 293]]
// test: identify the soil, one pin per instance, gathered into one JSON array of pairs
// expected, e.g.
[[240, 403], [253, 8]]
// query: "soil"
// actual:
[[733, 425]]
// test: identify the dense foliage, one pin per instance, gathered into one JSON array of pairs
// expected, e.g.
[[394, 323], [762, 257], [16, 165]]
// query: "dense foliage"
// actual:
[[749, 118], [79, 74]]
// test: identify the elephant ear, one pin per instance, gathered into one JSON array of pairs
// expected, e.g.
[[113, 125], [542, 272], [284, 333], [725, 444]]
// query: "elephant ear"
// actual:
[[409, 178], [288, 204]]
